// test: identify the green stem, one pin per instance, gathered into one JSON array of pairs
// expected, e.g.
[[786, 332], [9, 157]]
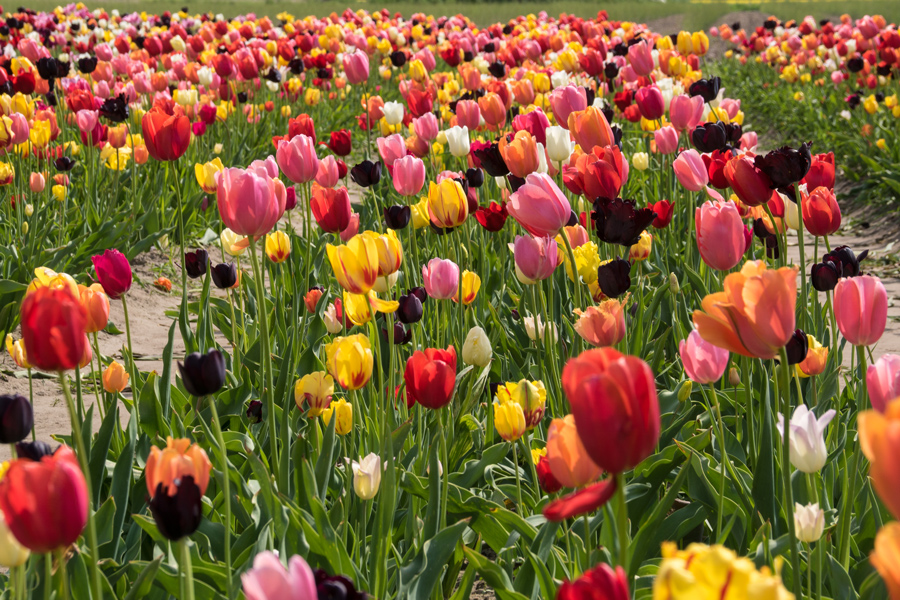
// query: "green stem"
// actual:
[[786, 471], [445, 457], [846, 514], [804, 308], [226, 490], [131, 367], [621, 520], [187, 571], [520, 507]]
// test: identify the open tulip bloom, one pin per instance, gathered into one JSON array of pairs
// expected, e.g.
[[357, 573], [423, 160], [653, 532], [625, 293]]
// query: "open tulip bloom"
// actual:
[[522, 302]]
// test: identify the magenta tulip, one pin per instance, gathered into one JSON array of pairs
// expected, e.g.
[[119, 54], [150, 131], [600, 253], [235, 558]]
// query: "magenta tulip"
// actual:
[[650, 102], [250, 202], [703, 362], [356, 67], [536, 258]]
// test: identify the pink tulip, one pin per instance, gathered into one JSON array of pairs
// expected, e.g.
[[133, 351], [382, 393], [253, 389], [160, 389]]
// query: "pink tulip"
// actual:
[[883, 381], [860, 306], [731, 107], [267, 166], [539, 206], [685, 112], [427, 58], [352, 228], [356, 67], [749, 141], [536, 258], [297, 158], [328, 173], [691, 171], [426, 127], [837, 77], [722, 236], [703, 362], [468, 114], [441, 278], [36, 183], [250, 202], [103, 52], [86, 120], [391, 148], [269, 580], [566, 100], [409, 175], [641, 58], [19, 130], [666, 139], [650, 102]]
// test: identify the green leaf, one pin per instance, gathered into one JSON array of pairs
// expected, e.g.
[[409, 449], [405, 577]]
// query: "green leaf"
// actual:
[[141, 585], [493, 575], [99, 450], [418, 578]]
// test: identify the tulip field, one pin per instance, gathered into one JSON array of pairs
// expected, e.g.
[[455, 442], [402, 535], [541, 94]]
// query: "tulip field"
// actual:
[[382, 305]]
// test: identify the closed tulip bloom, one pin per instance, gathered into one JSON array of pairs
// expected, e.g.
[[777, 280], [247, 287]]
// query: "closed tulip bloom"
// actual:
[[685, 112], [535, 258], [886, 557], [180, 458], [390, 251], [426, 126], [600, 173], [269, 580], [344, 412], [206, 174], [367, 476], [177, 514], [166, 134], [590, 128], [493, 111], [559, 144], [860, 307], [666, 139], [458, 140], [53, 323], [749, 182], [601, 325], [808, 452], [569, 461], [250, 202], [530, 395], [202, 374], [471, 283], [114, 273], [430, 376], [278, 246], [703, 362], [232, 243], [331, 208], [816, 359], [722, 237], [391, 148], [616, 394], [650, 102], [468, 114], [539, 206], [393, 112], [16, 419], [328, 174], [821, 213], [356, 67], [96, 307], [509, 420], [12, 553], [87, 120], [408, 176], [600, 583], [809, 522], [355, 264], [520, 153], [45, 502], [566, 100], [115, 378], [640, 58], [754, 316], [349, 360], [447, 203], [883, 381], [691, 171], [476, 349], [36, 182], [297, 158]]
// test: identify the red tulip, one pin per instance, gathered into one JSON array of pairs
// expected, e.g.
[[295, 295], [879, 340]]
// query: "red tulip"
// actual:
[[340, 142], [113, 272], [53, 325], [650, 102], [331, 208], [546, 480], [615, 394], [664, 211], [430, 376], [599, 583], [45, 502], [821, 213], [583, 501], [167, 133], [821, 172], [600, 173], [749, 182], [492, 217]]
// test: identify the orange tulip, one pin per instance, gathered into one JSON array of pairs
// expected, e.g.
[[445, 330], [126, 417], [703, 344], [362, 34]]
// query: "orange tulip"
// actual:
[[96, 305], [178, 459], [602, 325], [879, 438], [493, 110], [886, 557], [520, 153], [569, 461], [754, 316], [590, 129]]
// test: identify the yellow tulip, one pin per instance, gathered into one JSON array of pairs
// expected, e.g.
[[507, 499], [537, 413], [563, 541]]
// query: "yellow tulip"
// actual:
[[355, 264], [59, 192], [115, 378], [7, 173], [360, 308], [420, 216], [278, 246], [316, 389], [447, 203], [530, 395], [471, 283], [509, 420], [390, 251], [587, 261], [417, 70], [5, 131], [16, 350], [115, 158], [541, 83], [312, 96], [40, 133], [44, 277], [349, 360], [234, 244], [206, 174], [344, 411], [641, 250]]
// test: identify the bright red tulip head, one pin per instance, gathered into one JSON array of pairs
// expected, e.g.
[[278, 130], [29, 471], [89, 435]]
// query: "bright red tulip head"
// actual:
[[650, 102], [250, 202], [53, 325], [45, 502], [340, 142], [860, 307], [331, 208], [599, 583], [821, 212], [749, 182], [430, 376], [113, 272], [615, 394], [821, 172], [167, 134]]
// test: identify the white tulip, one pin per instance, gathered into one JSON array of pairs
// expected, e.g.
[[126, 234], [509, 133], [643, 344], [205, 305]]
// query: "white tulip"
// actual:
[[205, 76], [535, 328], [367, 476], [477, 348], [384, 284], [458, 140], [809, 522], [332, 323], [559, 144], [559, 79], [12, 553], [393, 112], [808, 452]]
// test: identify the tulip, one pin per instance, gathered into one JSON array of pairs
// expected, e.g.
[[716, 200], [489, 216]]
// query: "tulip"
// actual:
[[350, 361], [539, 206], [703, 362], [316, 389], [45, 502], [599, 583], [224, 275], [393, 112], [430, 376], [269, 580], [886, 557], [509, 420], [568, 460], [367, 476], [12, 553], [520, 153], [685, 112], [391, 148], [754, 316], [356, 67], [96, 307], [366, 174], [816, 358], [36, 183], [196, 263], [691, 171], [883, 381], [468, 114], [53, 324], [821, 213], [469, 287], [530, 395], [493, 111], [203, 374], [115, 378], [604, 386], [397, 217], [16, 419], [722, 237], [600, 173], [340, 142], [640, 58], [808, 452], [535, 258], [749, 182], [207, 173], [250, 202], [821, 172], [114, 273], [565, 100], [355, 264], [535, 328], [441, 278], [860, 307], [426, 126], [667, 140], [408, 175], [344, 412], [328, 173], [590, 128], [278, 246], [177, 513], [389, 249], [166, 134], [297, 158], [180, 458], [331, 208], [458, 140], [650, 102], [602, 325], [476, 349], [809, 522], [410, 305], [559, 144], [878, 436], [232, 243]]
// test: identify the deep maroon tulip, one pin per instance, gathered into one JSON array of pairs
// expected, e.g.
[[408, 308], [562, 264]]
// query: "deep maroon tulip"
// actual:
[[825, 275], [797, 347], [196, 263], [254, 411], [397, 217], [16, 418], [113, 273], [178, 515], [709, 137], [488, 157], [848, 260], [411, 308], [786, 165], [203, 374], [366, 173], [618, 221], [614, 277], [707, 89], [224, 275]]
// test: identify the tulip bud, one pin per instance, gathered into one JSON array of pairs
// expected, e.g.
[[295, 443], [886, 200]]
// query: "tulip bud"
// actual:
[[29, 210], [25, 228], [196, 263], [809, 522], [367, 476], [684, 392], [673, 283], [16, 419], [254, 411], [640, 161], [115, 378], [36, 182], [734, 377], [477, 348]]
